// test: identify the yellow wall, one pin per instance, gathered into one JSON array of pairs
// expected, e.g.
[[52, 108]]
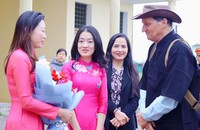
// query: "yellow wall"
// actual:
[[59, 18], [8, 15], [101, 19], [55, 19], [128, 8]]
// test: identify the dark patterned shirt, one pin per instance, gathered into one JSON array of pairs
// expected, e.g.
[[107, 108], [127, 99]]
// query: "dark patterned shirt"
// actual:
[[116, 84]]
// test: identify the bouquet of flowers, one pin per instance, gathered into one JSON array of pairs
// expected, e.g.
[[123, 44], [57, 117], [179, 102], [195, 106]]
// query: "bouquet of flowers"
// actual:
[[49, 90]]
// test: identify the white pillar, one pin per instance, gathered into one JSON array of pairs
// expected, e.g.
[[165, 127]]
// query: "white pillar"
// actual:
[[114, 16], [70, 27], [172, 4], [25, 5]]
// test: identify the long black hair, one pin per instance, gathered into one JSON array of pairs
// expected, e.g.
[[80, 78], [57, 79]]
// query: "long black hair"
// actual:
[[98, 55], [24, 27], [128, 62]]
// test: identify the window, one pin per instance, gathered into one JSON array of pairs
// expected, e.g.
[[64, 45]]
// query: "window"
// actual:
[[80, 15], [123, 22]]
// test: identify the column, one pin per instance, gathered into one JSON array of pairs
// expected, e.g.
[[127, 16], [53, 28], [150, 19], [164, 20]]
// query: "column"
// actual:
[[70, 27], [172, 4], [25, 5], [114, 16]]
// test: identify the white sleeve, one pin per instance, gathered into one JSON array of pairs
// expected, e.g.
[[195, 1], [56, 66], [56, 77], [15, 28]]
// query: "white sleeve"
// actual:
[[160, 106], [142, 100]]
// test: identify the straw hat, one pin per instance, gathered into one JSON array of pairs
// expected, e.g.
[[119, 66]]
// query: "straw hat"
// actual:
[[158, 10]]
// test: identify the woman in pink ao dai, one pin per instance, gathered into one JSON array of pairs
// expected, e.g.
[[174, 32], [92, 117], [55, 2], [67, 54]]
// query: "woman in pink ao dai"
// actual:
[[87, 72]]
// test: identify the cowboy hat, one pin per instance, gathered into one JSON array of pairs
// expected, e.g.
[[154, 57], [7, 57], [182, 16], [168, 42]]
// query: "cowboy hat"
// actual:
[[158, 10]]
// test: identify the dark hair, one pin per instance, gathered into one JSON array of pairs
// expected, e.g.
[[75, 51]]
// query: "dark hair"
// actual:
[[24, 27], [159, 18], [128, 61], [60, 50], [98, 55]]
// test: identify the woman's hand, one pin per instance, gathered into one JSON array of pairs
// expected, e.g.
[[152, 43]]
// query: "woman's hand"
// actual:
[[74, 123], [65, 115], [115, 122], [121, 117], [100, 122]]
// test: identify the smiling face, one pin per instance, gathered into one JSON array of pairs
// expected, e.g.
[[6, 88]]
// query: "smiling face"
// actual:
[[38, 35], [119, 49], [86, 46]]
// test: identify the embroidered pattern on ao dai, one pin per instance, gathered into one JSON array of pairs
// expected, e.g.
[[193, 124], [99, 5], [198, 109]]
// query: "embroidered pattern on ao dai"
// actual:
[[90, 78]]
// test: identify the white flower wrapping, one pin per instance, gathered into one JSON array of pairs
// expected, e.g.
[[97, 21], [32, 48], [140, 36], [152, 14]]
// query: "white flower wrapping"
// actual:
[[59, 95]]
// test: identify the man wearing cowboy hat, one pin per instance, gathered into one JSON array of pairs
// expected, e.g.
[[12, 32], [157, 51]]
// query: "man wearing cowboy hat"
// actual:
[[163, 88]]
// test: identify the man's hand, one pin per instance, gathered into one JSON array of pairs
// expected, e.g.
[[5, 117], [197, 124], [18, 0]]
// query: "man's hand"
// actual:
[[150, 126], [141, 120]]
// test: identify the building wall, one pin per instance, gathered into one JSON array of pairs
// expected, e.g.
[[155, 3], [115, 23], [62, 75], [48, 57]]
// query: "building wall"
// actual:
[[59, 18], [8, 15], [101, 19], [129, 9], [55, 19]]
